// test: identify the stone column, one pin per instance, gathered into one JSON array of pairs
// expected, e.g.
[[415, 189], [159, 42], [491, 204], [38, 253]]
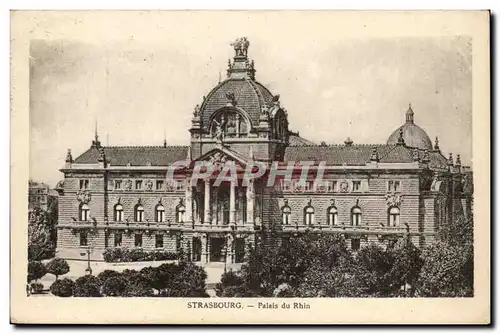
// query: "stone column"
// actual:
[[232, 203], [204, 258], [206, 217], [229, 249], [250, 201], [237, 125], [189, 201], [208, 248]]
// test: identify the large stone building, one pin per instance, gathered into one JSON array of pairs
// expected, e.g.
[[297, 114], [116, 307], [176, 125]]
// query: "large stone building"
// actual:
[[40, 195], [121, 196]]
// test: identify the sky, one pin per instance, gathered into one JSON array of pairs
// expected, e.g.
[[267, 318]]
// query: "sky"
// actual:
[[142, 82]]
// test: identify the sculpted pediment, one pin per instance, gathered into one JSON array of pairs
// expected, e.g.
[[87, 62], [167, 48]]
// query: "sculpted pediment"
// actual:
[[221, 157]]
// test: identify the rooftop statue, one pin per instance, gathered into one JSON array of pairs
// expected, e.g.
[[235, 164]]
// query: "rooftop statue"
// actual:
[[241, 46]]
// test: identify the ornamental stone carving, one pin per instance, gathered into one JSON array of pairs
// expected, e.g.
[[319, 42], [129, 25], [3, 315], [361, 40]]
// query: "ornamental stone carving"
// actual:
[[83, 196], [218, 157], [127, 185], [393, 200], [149, 185], [344, 186]]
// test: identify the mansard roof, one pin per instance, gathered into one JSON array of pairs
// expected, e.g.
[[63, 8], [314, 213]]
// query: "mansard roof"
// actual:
[[135, 155], [358, 155], [295, 140]]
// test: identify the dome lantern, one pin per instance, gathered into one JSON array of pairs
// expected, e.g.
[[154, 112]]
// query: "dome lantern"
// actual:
[[241, 67], [409, 115], [410, 134]]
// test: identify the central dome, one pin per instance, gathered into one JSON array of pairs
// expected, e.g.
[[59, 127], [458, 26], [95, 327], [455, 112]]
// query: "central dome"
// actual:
[[239, 90], [245, 93], [413, 135]]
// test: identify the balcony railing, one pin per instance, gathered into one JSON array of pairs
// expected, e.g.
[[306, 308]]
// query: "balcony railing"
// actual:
[[345, 228], [131, 225]]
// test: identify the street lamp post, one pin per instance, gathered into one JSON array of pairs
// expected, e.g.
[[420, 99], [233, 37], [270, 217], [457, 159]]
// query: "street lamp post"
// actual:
[[89, 251]]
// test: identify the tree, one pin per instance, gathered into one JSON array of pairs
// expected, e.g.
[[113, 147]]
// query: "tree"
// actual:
[[228, 279], [407, 264], [448, 268], [57, 267], [341, 281], [62, 288], [87, 286], [36, 270], [41, 240], [165, 277], [137, 284], [268, 268], [189, 282], [114, 286], [105, 274]]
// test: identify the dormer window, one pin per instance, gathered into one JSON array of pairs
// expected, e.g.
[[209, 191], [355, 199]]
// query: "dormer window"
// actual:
[[394, 186], [356, 186], [84, 184]]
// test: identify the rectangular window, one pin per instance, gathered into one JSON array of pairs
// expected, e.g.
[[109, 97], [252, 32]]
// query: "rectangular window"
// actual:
[[138, 240], [118, 184], [285, 185], [355, 244], [84, 184], [159, 241], [83, 239], [159, 184], [394, 186], [356, 185], [331, 186], [138, 184], [118, 239], [309, 186], [397, 186], [179, 185]]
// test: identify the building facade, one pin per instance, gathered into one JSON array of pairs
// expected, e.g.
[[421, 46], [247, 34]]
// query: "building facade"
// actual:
[[125, 196], [40, 195]]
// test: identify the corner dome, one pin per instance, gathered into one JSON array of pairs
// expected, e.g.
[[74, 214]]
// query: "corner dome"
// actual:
[[240, 90], [413, 135]]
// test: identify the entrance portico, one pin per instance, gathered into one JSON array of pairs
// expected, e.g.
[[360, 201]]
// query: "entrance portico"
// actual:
[[222, 212]]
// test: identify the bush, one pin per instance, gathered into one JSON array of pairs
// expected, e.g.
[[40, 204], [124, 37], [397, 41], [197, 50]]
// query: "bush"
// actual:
[[57, 267], [104, 275], [190, 282], [114, 286], [137, 284], [87, 286], [63, 288], [36, 288], [228, 279], [137, 254], [36, 270]]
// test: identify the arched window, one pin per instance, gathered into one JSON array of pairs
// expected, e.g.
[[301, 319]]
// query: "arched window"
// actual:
[[286, 213], [356, 216], [180, 212], [84, 212], [308, 215], [118, 213], [393, 216], [160, 213], [332, 215], [139, 213]]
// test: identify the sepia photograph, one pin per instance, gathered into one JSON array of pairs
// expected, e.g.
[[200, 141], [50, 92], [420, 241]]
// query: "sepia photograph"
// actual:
[[251, 169]]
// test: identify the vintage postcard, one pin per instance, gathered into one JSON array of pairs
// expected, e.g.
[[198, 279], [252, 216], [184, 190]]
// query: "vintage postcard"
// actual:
[[239, 167]]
